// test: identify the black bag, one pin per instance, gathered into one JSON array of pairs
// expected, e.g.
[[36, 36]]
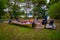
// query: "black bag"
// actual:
[[44, 22]]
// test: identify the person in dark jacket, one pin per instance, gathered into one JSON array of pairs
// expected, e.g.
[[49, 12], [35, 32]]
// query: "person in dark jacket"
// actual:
[[44, 22], [45, 17], [33, 25], [51, 22]]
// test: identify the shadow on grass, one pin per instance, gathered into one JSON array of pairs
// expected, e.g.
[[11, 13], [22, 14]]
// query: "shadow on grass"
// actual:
[[26, 26]]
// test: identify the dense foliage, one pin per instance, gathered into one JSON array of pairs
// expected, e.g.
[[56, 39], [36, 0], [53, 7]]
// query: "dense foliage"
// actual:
[[2, 7], [54, 10]]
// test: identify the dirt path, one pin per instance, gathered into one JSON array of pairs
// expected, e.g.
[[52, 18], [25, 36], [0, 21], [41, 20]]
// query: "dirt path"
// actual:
[[39, 27]]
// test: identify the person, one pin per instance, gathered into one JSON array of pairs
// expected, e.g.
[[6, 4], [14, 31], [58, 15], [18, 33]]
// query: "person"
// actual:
[[51, 25], [44, 22], [17, 18], [31, 20], [51, 22], [45, 17], [33, 25], [9, 21]]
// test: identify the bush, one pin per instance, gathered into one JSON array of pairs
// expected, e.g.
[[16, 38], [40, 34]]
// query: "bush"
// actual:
[[54, 10]]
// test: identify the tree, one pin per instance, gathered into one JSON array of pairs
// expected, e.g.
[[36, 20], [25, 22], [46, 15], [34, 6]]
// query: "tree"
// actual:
[[39, 2], [2, 7], [52, 2], [21, 0], [37, 7], [14, 9], [54, 10]]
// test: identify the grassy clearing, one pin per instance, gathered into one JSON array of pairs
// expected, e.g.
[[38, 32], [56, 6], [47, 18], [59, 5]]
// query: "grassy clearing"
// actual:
[[13, 32]]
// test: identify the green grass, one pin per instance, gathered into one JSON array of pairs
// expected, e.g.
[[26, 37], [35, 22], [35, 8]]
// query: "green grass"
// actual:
[[13, 32]]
